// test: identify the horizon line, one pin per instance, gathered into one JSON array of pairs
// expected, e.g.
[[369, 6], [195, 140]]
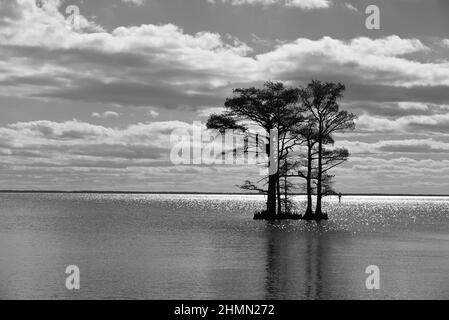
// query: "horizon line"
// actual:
[[209, 193]]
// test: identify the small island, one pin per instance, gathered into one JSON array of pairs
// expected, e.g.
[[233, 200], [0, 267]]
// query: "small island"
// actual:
[[298, 128]]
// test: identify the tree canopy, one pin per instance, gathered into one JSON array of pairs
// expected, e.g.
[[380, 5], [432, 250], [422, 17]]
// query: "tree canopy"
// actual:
[[305, 120]]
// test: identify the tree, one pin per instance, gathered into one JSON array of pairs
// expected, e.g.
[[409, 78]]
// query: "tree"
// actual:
[[306, 134], [272, 108], [304, 164], [286, 186], [321, 101]]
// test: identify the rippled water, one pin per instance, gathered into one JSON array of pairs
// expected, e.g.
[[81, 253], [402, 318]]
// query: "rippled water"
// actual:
[[208, 247]]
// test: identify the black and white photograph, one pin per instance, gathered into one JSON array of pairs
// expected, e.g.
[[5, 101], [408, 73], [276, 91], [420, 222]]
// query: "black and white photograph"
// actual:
[[248, 151]]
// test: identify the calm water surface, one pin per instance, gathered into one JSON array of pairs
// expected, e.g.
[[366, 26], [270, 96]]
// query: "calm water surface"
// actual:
[[208, 247]]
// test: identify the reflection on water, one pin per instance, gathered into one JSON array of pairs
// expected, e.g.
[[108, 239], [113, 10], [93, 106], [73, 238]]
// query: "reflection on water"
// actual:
[[313, 257], [275, 278], [294, 270], [208, 247]]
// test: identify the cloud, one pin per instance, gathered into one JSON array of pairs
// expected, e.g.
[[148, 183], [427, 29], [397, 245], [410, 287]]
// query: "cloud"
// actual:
[[415, 146], [134, 2], [61, 155], [60, 142], [395, 109], [309, 4], [412, 146], [405, 167], [445, 43], [399, 175], [302, 4], [429, 124], [166, 67], [265, 42], [360, 60], [206, 112], [105, 114], [350, 7], [153, 114], [163, 65], [392, 82], [74, 149]]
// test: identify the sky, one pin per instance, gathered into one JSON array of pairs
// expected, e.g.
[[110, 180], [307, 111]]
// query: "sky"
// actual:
[[92, 106]]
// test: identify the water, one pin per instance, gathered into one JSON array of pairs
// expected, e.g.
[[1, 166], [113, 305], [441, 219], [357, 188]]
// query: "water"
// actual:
[[208, 247]]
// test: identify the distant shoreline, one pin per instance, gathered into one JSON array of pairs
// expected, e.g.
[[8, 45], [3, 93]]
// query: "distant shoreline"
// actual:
[[214, 193]]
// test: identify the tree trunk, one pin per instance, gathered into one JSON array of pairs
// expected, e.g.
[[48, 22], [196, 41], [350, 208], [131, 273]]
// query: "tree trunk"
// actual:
[[309, 210], [278, 178], [286, 208], [279, 193], [318, 210], [271, 195]]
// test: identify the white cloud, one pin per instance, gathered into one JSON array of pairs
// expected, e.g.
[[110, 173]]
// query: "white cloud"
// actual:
[[61, 155], [206, 112], [413, 106], [429, 124], [302, 4], [309, 4], [363, 60], [106, 114], [162, 64], [135, 2], [350, 7], [166, 67], [69, 139], [416, 146], [153, 114]]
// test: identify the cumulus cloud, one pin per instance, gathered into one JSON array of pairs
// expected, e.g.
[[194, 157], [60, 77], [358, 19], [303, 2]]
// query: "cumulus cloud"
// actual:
[[134, 2], [163, 66], [105, 114], [302, 4], [153, 114], [375, 61], [54, 155], [394, 110], [71, 139], [413, 146], [400, 175], [79, 148], [392, 82], [436, 124]]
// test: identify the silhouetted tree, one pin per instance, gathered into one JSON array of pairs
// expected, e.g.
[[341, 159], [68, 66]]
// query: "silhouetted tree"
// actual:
[[287, 187], [321, 101], [304, 163], [305, 120], [272, 108], [306, 133]]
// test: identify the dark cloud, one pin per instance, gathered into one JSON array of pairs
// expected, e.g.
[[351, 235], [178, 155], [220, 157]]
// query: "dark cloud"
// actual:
[[134, 94], [386, 109], [427, 94], [419, 148]]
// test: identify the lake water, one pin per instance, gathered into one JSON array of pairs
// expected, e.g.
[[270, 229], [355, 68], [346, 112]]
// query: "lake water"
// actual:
[[208, 247]]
